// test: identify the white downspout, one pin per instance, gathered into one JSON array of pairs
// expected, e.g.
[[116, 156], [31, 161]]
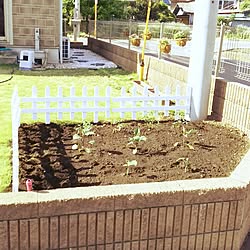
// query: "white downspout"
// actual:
[[9, 24], [61, 30]]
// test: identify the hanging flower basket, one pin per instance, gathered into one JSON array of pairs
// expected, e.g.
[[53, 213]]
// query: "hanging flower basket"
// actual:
[[135, 40], [148, 35], [165, 46], [181, 42], [181, 38]]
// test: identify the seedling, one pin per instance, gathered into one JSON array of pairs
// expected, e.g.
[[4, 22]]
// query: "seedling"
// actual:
[[81, 131], [183, 161], [136, 140], [118, 128], [185, 135], [85, 129], [129, 164], [151, 119]]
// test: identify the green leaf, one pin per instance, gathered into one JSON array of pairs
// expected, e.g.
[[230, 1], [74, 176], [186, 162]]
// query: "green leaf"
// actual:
[[88, 133], [137, 132], [132, 163], [88, 150], [76, 137], [190, 146]]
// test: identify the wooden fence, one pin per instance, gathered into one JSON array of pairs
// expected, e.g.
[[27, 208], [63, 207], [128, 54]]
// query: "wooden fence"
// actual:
[[135, 103]]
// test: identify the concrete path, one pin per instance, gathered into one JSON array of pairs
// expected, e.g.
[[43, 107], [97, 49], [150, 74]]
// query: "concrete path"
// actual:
[[83, 58]]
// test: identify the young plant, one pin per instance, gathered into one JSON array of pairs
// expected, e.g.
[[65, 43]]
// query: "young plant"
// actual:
[[183, 161], [136, 139], [151, 119], [129, 164], [81, 132], [118, 128], [185, 135]]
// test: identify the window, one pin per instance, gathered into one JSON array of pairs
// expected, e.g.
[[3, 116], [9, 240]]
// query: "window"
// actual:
[[2, 22]]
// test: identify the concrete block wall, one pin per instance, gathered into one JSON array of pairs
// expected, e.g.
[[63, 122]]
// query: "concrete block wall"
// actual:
[[31, 14], [190, 214], [164, 73], [127, 59], [231, 104]]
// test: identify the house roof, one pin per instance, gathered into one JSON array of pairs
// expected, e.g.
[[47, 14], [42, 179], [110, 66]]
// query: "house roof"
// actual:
[[187, 7]]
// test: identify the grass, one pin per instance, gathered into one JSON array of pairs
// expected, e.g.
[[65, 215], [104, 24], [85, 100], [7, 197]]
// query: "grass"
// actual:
[[24, 80]]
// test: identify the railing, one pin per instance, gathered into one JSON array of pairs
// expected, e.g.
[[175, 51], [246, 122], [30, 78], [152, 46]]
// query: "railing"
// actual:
[[136, 104], [234, 48]]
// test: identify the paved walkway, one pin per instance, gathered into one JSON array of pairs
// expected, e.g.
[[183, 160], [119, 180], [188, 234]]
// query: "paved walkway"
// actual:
[[83, 58]]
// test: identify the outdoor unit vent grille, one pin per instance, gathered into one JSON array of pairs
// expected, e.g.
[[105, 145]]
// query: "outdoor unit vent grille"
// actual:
[[65, 48]]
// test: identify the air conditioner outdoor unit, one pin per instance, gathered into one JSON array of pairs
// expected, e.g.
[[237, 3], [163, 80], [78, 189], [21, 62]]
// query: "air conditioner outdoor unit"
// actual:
[[65, 48]]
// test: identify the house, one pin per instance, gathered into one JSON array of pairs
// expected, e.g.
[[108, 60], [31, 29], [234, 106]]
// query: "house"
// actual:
[[184, 9], [32, 25]]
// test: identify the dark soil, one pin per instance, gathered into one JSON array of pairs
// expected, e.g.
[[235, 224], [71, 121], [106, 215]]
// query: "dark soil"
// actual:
[[172, 151]]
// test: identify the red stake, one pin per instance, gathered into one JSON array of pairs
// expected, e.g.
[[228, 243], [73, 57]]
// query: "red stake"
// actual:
[[29, 185]]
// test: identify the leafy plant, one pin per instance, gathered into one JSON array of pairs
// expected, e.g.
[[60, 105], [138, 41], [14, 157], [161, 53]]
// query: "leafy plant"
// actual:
[[82, 131], [185, 135], [183, 161], [136, 139], [165, 45], [118, 128], [150, 119], [180, 35], [164, 42], [129, 164]]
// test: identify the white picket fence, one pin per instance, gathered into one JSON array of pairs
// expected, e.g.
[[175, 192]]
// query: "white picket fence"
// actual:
[[134, 103]]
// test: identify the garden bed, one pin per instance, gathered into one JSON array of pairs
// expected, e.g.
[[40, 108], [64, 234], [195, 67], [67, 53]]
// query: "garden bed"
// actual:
[[167, 151]]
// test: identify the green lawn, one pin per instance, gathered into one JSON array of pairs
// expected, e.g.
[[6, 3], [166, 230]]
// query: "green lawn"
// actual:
[[24, 80]]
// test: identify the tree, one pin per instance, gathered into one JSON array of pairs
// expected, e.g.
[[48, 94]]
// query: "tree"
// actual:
[[159, 11], [68, 9], [245, 5], [107, 9]]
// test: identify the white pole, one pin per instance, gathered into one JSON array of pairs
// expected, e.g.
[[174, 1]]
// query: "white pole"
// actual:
[[201, 59], [61, 31]]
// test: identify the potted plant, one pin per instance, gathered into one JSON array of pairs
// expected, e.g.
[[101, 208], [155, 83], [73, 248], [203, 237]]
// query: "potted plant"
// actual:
[[181, 38], [148, 35], [165, 46], [135, 40]]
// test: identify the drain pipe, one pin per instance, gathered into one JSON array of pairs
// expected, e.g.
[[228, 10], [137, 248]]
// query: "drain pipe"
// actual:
[[61, 31]]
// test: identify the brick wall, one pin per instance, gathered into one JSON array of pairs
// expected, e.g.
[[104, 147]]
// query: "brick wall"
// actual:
[[31, 14], [191, 214]]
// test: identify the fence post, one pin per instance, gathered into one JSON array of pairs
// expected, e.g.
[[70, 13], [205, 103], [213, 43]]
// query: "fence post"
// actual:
[[60, 103], [129, 33], [72, 103], [110, 30], [47, 105], [15, 110], [218, 57], [34, 106], [161, 35]]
